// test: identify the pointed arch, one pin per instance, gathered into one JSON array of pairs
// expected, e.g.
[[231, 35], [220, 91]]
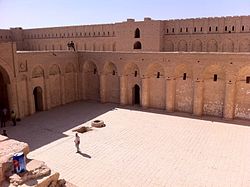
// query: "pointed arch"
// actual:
[[70, 83], [91, 81], [169, 46], [137, 33], [242, 98], [112, 87], [55, 86], [182, 45], [214, 79], [22, 87], [38, 98], [157, 92], [245, 45], [228, 45], [130, 69], [69, 68], [197, 46], [4, 81], [184, 88], [54, 70], [37, 71], [212, 46], [132, 74]]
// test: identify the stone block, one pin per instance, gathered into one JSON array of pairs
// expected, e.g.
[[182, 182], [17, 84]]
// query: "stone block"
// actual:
[[8, 147]]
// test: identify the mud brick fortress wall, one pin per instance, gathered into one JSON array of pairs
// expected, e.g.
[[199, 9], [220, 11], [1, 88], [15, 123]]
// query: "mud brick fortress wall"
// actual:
[[199, 66]]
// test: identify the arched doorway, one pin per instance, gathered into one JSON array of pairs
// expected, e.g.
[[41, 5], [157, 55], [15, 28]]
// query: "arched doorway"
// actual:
[[136, 95], [4, 80], [38, 97], [3, 93]]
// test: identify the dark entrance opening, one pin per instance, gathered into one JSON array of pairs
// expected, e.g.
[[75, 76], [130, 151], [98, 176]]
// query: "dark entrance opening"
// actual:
[[4, 80], [136, 95], [38, 97]]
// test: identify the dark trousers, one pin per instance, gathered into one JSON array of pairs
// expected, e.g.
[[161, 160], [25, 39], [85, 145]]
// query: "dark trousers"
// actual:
[[2, 123], [14, 122]]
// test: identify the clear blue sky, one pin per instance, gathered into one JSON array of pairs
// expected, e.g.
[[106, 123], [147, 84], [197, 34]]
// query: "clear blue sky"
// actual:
[[50, 13]]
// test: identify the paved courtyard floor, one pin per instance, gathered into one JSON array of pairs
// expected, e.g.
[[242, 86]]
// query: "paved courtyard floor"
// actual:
[[138, 148]]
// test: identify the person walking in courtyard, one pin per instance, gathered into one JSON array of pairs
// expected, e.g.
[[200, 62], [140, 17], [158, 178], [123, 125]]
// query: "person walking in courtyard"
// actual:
[[4, 133], [3, 117], [13, 117], [77, 143]]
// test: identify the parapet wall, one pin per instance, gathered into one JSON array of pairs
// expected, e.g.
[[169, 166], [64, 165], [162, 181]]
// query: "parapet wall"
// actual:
[[219, 34]]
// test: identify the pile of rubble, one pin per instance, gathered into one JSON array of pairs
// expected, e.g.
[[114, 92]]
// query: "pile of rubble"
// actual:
[[37, 173]]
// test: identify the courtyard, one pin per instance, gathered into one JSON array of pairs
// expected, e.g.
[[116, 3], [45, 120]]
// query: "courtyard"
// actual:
[[138, 147]]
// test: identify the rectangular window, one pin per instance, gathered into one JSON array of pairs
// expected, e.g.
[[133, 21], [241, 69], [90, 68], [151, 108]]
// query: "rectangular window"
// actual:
[[215, 77], [232, 28], [135, 73], [167, 30], [195, 29], [242, 28], [201, 29], [225, 28], [158, 75], [181, 30], [216, 28], [172, 29], [248, 80], [210, 29], [184, 76], [186, 29]]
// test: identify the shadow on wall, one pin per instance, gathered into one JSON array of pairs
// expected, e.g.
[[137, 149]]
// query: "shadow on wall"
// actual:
[[45, 127]]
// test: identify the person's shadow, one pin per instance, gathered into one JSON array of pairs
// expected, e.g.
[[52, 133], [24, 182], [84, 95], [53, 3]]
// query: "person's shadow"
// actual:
[[84, 154]]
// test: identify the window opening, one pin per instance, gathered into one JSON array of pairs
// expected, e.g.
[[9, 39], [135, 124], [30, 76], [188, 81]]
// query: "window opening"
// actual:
[[135, 73], [248, 80], [215, 77], [184, 76], [137, 33], [158, 75]]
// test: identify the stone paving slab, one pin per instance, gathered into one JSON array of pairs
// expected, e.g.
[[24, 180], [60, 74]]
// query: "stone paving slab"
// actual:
[[137, 148]]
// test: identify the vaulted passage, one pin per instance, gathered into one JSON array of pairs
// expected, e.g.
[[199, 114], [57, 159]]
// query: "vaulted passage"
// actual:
[[38, 98], [4, 80]]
